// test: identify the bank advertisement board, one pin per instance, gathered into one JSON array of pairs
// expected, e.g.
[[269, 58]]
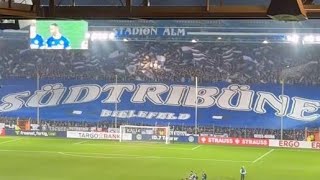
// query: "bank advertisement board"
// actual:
[[93, 135]]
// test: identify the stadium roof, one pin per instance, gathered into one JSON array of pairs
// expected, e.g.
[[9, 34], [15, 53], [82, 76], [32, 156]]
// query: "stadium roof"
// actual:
[[146, 9]]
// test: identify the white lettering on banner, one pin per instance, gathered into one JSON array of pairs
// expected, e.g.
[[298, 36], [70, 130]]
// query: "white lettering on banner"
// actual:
[[291, 144], [233, 141], [35, 133], [264, 136], [315, 145], [78, 129], [179, 133], [221, 141], [174, 32], [294, 144], [175, 95], [149, 31], [144, 114], [151, 92], [219, 135], [303, 106], [243, 95], [113, 130], [13, 102], [93, 135], [234, 98], [34, 127], [205, 97], [279, 104], [255, 142], [116, 91], [52, 93], [82, 93]]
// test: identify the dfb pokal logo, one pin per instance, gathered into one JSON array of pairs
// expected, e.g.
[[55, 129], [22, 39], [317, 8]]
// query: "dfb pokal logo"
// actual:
[[191, 139], [237, 141], [139, 137]]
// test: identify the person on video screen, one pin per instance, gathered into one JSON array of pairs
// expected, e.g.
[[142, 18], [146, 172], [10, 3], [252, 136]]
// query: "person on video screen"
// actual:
[[36, 40], [57, 40]]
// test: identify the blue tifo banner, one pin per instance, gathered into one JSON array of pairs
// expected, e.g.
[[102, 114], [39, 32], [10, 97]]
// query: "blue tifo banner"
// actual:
[[220, 104], [12, 132]]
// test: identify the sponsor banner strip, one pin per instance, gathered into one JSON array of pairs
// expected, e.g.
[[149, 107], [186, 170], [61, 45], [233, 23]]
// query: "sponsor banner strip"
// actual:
[[233, 141], [264, 136], [294, 144], [184, 139], [93, 135], [11, 132]]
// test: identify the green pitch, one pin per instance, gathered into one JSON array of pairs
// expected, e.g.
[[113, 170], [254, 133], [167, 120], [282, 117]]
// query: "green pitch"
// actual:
[[74, 159]]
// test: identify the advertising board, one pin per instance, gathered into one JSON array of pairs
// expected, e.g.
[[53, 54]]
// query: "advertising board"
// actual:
[[184, 139], [93, 135], [264, 136], [294, 144], [2, 132], [12, 132], [233, 141]]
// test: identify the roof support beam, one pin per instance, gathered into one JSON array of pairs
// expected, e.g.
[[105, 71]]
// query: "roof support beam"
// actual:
[[9, 8], [154, 12], [313, 11], [145, 12], [129, 5]]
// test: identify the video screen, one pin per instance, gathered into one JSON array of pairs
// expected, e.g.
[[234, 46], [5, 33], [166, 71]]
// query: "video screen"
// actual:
[[58, 34]]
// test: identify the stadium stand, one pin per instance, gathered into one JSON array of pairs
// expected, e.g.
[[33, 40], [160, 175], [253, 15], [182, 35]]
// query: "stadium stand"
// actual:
[[173, 62], [288, 134]]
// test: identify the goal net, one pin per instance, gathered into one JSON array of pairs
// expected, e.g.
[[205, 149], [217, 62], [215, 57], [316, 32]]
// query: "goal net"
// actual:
[[145, 134]]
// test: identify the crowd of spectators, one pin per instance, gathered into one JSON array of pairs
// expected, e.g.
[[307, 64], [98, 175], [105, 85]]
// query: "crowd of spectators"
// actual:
[[288, 134], [167, 62]]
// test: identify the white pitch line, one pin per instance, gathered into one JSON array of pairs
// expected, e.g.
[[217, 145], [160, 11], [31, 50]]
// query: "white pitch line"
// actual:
[[81, 142], [136, 146], [122, 156], [196, 147], [149, 157], [264, 155], [13, 140]]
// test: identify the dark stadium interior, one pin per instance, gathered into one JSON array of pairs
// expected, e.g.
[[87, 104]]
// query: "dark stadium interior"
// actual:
[[229, 59], [159, 89]]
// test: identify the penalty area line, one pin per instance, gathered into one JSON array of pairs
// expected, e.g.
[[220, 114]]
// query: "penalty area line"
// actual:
[[264, 155], [106, 156], [121, 156], [81, 142], [196, 147], [13, 140]]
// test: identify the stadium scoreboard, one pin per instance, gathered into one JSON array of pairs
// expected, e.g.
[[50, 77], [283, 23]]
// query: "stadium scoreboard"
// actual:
[[58, 34]]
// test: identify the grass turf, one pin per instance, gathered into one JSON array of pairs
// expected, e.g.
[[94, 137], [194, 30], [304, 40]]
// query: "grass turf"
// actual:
[[74, 159]]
